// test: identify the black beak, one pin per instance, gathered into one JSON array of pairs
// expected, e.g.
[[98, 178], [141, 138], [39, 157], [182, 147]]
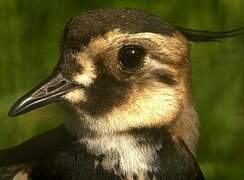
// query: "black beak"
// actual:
[[46, 92]]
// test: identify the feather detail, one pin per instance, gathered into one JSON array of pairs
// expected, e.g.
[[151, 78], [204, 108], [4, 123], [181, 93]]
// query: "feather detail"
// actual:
[[206, 36], [18, 172]]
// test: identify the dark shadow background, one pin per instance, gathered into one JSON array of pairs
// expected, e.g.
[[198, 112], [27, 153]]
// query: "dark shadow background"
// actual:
[[29, 36]]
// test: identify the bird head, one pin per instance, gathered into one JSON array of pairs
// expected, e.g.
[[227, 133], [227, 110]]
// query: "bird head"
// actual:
[[119, 69], [119, 65]]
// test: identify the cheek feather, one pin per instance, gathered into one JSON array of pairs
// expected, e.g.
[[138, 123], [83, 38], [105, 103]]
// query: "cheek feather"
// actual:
[[156, 106], [75, 96], [144, 108], [88, 73]]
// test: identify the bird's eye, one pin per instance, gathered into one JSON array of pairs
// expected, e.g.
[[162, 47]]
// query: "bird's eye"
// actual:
[[131, 57]]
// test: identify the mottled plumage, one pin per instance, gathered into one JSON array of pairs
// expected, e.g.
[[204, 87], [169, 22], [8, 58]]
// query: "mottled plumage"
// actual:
[[124, 76]]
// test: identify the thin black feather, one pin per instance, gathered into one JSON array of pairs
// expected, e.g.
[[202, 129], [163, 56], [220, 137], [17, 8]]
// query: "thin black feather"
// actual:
[[206, 36]]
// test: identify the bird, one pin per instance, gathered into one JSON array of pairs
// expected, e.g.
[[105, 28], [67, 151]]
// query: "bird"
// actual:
[[124, 77]]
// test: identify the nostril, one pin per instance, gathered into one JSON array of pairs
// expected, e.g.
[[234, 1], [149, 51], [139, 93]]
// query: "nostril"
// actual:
[[56, 86], [40, 93]]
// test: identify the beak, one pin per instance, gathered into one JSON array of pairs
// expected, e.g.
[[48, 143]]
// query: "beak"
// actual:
[[47, 92]]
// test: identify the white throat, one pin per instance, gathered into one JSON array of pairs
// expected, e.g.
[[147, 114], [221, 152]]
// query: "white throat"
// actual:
[[131, 156]]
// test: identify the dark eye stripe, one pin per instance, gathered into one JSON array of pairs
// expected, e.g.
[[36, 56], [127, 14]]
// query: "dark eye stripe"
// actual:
[[164, 77]]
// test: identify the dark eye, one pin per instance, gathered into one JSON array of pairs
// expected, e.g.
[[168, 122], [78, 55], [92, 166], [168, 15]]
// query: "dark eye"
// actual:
[[131, 57]]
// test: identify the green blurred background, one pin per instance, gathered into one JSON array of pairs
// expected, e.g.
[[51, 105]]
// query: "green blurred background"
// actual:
[[29, 36]]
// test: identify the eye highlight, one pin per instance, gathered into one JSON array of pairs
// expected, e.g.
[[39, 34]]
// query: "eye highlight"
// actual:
[[131, 57]]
